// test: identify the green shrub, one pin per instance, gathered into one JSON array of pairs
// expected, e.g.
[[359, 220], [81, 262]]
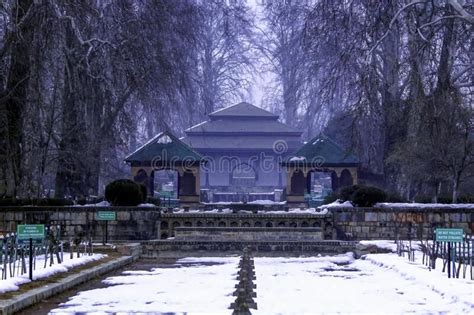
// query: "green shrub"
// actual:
[[155, 201], [466, 199], [123, 192], [423, 199], [347, 192], [367, 196], [394, 197]]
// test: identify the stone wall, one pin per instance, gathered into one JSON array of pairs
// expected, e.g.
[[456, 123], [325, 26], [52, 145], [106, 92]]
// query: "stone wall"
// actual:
[[145, 223], [171, 221], [176, 249], [251, 234], [133, 223], [386, 223]]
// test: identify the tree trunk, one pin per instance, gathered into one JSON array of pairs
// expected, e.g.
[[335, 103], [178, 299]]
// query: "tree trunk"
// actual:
[[13, 100]]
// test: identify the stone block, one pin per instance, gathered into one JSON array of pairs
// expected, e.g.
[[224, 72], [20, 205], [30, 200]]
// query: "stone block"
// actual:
[[370, 216], [455, 217], [123, 216]]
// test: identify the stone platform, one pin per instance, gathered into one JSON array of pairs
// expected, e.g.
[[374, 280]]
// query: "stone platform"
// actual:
[[177, 249], [248, 234]]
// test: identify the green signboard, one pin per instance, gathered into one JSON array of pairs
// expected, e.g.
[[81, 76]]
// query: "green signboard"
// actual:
[[105, 216], [449, 235], [27, 231]]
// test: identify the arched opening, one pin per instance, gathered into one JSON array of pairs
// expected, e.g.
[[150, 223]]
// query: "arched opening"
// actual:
[[198, 223], [319, 184], [346, 178], [334, 181], [188, 224], [176, 224], [328, 231], [164, 225], [269, 224], [293, 224], [210, 223], [245, 224], [281, 224], [164, 236], [258, 224], [244, 175], [298, 183], [304, 224], [187, 185], [234, 224], [142, 178], [165, 184], [221, 224]]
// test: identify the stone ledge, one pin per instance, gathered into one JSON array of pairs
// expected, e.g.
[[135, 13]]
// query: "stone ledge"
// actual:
[[35, 296]]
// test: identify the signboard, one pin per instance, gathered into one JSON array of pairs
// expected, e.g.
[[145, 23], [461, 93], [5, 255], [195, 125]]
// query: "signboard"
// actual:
[[33, 231], [166, 193], [449, 235], [105, 216]]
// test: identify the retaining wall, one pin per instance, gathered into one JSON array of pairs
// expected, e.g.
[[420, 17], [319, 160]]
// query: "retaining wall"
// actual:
[[145, 223]]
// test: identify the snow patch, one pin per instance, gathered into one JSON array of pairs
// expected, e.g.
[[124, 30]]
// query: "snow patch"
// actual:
[[164, 139], [12, 284], [425, 205], [337, 204]]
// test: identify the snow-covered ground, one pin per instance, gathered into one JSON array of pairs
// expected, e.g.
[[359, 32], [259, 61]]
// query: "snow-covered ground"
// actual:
[[382, 283], [13, 283], [194, 285]]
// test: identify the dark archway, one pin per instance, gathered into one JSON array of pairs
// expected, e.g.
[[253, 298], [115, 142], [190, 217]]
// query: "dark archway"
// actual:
[[234, 224], [269, 225], [346, 178], [334, 181], [221, 224], [258, 224], [164, 236], [298, 183], [164, 225], [187, 184], [188, 224], [245, 224]]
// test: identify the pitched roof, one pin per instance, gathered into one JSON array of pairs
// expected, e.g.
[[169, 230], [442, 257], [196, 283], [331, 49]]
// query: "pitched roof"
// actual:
[[250, 127], [322, 151], [278, 144], [242, 110], [164, 147]]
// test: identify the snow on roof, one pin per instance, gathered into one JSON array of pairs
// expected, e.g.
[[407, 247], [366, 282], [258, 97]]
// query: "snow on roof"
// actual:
[[195, 126], [164, 139], [297, 158], [144, 145]]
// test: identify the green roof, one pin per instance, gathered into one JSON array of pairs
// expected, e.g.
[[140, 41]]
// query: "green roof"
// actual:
[[164, 147], [322, 151]]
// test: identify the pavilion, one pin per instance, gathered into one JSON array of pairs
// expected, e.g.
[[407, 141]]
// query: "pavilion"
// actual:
[[243, 153]]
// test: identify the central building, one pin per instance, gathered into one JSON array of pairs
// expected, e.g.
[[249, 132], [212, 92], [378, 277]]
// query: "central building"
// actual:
[[243, 146]]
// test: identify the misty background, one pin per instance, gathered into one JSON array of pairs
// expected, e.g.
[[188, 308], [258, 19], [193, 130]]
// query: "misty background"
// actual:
[[84, 83]]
